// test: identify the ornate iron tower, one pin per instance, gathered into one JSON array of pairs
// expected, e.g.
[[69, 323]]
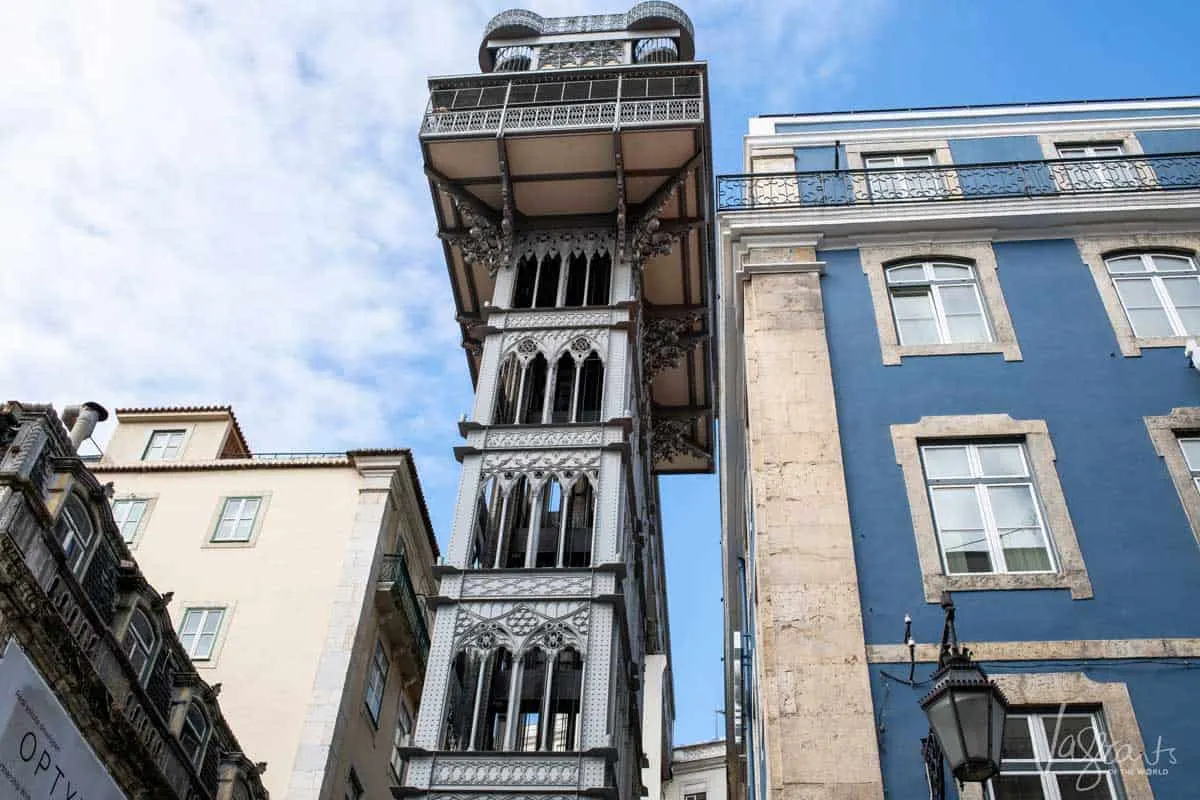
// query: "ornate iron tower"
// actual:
[[572, 185]]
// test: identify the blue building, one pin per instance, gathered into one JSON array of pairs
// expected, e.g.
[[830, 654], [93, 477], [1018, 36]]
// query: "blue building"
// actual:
[[952, 354]]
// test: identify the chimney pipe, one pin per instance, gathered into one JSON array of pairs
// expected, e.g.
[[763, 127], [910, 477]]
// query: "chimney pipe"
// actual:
[[82, 420]]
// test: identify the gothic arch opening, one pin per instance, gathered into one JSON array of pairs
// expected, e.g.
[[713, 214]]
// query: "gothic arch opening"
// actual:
[[493, 692], [577, 526], [562, 714], [590, 389]]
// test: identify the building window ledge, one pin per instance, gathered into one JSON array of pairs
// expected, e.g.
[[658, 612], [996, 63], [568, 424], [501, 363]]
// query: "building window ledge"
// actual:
[[907, 439]]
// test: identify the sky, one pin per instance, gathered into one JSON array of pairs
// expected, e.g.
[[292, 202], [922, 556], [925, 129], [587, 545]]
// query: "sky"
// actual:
[[222, 202]]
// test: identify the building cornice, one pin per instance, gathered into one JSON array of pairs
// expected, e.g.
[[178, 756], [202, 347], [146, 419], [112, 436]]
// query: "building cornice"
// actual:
[[1049, 650], [844, 227], [1017, 110], [756, 143]]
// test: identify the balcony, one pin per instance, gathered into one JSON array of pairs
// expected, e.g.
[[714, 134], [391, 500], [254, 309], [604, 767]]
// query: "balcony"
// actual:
[[396, 599], [513, 103], [1011, 179]]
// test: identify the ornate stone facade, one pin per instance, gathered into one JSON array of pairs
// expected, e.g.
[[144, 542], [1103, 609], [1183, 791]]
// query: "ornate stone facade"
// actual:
[[69, 588]]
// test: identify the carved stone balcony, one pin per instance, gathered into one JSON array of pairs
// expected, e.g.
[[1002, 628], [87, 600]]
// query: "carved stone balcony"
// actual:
[[958, 182], [403, 616]]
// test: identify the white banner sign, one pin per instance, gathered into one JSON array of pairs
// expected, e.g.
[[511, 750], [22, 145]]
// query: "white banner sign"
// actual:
[[42, 753]]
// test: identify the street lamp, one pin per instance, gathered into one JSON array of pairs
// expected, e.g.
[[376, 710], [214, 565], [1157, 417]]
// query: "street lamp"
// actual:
[[966, 713]]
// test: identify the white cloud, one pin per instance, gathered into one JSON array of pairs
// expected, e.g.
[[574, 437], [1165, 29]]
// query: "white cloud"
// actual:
[[223, 202]]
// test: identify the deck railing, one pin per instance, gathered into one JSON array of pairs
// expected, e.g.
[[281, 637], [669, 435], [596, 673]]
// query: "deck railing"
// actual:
[[628, 97], [1010, 179]]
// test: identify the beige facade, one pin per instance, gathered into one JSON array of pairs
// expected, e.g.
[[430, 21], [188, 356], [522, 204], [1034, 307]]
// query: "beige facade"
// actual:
[[297, 557], [809, 627], [697, 772]]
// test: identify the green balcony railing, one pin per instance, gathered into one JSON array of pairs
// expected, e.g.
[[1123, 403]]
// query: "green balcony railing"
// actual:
[[394, 571]]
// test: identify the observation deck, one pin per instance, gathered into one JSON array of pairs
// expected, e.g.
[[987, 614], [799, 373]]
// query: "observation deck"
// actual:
[[591, 123]]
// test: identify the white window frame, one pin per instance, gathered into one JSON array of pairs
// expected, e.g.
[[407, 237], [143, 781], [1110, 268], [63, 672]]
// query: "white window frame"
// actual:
[[202, 737], [1193, 468], [191, 642], [902, 184], [402, 737], [238, 504], [122, 508], [134, 640], [1117, 175], [980, 484], [1155, 277], [172, 440], [76, 547], [934, 286], [375, 686], [1047, 767]]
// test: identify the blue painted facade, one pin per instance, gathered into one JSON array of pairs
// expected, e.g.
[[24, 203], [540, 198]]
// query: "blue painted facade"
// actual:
[[1140, 552], [1170, 728], [1093, 400]]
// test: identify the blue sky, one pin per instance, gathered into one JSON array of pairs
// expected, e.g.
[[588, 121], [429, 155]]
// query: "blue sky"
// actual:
[[222, 202]]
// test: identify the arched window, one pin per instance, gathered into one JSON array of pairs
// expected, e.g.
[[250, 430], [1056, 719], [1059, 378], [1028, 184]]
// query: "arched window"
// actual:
[[937, 302], [508, 385], [588, 280], [562, 716], [501, 525], [460, 703], [521, 390], [530, 701], [516, 525], [591, 389], [487, 524], [140, 643], [547, 282], [1160, 292], [577, 527], [498, 702], [494, 696], [525, 282], [564, 387], [75, 532], [550, 507], [578, 389], [582, 280], [194, 735], [533, 391]]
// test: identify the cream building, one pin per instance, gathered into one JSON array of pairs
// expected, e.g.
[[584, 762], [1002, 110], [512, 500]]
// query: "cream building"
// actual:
[[697, 772], [297, 582]]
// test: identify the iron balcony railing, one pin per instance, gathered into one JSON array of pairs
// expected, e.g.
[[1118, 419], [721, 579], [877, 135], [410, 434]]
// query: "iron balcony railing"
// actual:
[[1010, 179], [394, 572], [630, 97]]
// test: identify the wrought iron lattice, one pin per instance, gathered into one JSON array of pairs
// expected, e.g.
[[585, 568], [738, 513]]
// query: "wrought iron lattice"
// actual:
[[599, 101], [1009, 179]]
